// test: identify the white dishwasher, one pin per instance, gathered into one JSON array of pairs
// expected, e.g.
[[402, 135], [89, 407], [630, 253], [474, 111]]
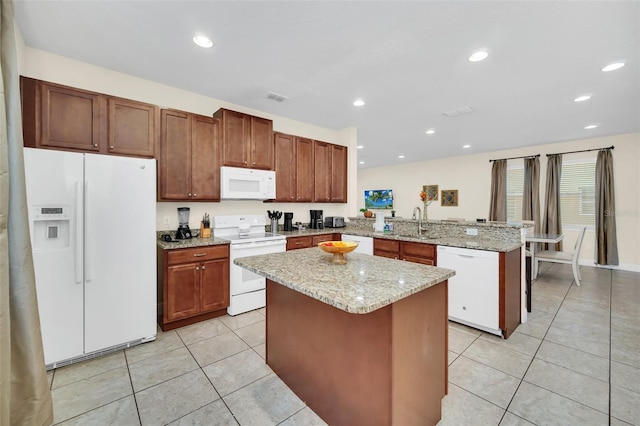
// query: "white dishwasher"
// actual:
[[365, 244], [474, 290]]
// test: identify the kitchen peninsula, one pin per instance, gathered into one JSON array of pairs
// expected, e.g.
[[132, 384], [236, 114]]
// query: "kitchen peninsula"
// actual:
[[360, 343]]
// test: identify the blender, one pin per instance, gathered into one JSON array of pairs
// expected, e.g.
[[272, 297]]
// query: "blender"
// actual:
[[183, 232]]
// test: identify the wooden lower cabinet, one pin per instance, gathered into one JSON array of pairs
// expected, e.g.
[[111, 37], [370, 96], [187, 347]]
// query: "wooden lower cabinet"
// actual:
[[193, 285], [405, 250], [294, 243], [386, 248]]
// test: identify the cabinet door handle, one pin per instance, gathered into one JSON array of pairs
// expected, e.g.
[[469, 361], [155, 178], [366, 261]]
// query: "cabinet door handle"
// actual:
[[199, 254], [299, 243]]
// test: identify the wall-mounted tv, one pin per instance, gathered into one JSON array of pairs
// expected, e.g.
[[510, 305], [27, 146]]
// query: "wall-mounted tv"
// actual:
[[378, 199]]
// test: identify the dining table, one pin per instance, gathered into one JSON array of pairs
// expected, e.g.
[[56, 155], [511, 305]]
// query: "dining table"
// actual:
[[531, 267]]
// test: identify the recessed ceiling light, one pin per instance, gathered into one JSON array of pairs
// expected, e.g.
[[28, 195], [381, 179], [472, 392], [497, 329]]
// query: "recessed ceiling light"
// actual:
[[362, 162], [358, 102], [582, 98], [478, 56], [466, 146], [590, 126], [400, 156], [360, 146], [613, 67], [202, 41], [430, 131]]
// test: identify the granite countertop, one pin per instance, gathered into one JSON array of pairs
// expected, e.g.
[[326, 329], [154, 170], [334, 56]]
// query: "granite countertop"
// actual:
[[193, 242], [471, 242], [365, 283]]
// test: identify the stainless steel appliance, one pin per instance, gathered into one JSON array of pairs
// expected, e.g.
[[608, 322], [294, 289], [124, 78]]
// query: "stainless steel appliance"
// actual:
[[334, 222], [96, 291], [183, 232], [316, 221], [288, 222], [247, 237]]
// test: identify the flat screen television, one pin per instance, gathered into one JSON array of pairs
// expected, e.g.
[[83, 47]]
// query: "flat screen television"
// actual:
[[378, 199]]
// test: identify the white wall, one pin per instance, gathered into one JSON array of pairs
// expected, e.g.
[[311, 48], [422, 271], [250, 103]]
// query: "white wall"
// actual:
[[49, 67], [471, 176]]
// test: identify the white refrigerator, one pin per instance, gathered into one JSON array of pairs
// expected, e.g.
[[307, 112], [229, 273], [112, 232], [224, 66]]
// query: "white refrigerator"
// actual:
[[92, 221]]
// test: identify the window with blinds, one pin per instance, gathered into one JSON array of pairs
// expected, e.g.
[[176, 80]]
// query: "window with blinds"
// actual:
[[515, 185], [577, 192]]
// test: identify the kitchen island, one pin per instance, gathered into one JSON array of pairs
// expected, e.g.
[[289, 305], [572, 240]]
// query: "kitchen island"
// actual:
[[360, 343]]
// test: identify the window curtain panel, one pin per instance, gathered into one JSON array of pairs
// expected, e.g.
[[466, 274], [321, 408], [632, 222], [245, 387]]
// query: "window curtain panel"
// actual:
[[25, 398], [498, 202], [531, 192], [551, 224], [606, 239]]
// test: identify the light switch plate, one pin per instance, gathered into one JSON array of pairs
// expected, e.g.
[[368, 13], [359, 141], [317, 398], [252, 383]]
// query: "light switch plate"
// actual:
[[472, 231]]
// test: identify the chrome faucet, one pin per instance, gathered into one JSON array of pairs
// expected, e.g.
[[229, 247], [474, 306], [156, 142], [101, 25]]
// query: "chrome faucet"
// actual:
[[419, 213]]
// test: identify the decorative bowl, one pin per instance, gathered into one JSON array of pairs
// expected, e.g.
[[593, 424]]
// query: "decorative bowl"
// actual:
[[338, 249]]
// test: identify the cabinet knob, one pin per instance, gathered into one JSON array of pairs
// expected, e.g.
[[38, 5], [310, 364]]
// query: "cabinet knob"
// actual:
[[197, 269], [202, 266], [195, 195], [95, 145], [110, 146], [189, 194], [245, 162]]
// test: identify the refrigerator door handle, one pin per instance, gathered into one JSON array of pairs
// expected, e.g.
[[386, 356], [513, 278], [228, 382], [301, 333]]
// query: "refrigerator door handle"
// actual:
[[78, 220], [88, 258]]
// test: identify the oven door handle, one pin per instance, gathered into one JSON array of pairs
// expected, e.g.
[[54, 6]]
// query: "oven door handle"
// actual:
[[258, 244]]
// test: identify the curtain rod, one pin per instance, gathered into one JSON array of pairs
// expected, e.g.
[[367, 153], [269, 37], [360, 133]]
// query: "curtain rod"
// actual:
[[584, 150], [514, 158]]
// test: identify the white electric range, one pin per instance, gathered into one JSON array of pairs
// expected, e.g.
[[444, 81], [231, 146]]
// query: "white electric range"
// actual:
[[247, 237]]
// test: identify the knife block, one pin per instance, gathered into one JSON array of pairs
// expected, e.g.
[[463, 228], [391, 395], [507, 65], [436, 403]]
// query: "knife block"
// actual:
[[204, 232]]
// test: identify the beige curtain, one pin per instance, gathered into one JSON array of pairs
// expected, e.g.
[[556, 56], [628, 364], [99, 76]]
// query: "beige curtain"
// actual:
[[606, 239], [498, 202], [531, 192], [551, 224], [25, 398]]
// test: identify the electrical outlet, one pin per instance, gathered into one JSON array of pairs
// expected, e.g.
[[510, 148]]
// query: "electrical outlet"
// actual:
[[472, 231]]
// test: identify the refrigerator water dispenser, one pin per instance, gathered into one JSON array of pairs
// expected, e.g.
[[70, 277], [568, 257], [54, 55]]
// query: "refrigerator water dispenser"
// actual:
[[51, 228]]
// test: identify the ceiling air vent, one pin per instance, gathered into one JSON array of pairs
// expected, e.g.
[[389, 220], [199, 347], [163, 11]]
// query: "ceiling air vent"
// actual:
[[459, 111], [276, 97]]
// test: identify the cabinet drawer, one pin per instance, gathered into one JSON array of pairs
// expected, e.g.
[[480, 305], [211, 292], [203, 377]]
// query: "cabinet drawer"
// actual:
[[386, 245], [299, 242], [427, 251], [327, 237], [197, 254]]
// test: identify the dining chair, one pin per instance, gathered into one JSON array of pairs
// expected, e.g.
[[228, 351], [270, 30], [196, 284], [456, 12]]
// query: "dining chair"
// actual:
[[563, 257]]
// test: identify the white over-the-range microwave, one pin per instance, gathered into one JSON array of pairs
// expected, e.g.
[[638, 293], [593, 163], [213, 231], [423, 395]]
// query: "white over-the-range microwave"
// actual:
[[237, 183]]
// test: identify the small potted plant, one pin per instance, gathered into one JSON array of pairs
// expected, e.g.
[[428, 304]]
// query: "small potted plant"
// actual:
[[366, 212]]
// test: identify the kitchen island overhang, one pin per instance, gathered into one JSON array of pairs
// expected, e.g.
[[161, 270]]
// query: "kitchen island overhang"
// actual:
[[361, 343]]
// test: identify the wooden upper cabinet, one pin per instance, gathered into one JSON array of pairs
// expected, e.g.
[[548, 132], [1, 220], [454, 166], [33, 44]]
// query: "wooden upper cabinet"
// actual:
[[294, 168], [133, 127], [305, 179], [284, 147], [322, 172], [174, 174], [247, 141], [339, 174], [205, 169], [61, 117], [70, 118], [188, 157]]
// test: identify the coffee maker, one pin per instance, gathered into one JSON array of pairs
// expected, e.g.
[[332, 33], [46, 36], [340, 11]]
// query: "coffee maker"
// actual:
[[183, 232], [288, 219], [317, 222]]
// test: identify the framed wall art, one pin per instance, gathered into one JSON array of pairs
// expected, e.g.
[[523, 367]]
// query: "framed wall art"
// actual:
[[432, 192], [449, 198]]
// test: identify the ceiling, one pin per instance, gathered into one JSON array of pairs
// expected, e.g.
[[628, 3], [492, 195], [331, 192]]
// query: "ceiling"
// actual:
[[408, 60]]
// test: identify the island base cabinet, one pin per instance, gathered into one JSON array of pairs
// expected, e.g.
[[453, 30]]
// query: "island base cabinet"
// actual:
[[390, 365]]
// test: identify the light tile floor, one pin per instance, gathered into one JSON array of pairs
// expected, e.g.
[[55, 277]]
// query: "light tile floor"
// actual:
[[575, 362]]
